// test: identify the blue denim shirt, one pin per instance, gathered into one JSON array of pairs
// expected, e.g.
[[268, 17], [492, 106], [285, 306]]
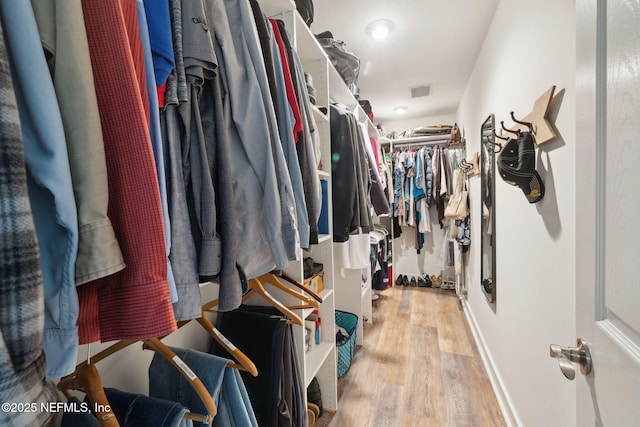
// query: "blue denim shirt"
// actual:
[[49, 183], [289, 145], [156, 141], [22, 377]]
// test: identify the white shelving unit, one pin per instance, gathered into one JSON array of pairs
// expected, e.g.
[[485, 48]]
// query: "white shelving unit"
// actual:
[[343, 293], [320, 361]]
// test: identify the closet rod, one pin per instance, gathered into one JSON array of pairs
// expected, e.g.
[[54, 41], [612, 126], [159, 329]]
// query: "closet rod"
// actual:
[[420, 141]]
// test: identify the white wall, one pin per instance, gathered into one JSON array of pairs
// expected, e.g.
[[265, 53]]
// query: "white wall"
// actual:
[[529, 47]]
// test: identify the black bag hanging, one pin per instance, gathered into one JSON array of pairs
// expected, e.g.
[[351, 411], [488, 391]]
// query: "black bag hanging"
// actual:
[[345, 62], [305, 9]]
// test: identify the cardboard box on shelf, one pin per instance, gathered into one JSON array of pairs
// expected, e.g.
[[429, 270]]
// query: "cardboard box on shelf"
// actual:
[[315, 283]]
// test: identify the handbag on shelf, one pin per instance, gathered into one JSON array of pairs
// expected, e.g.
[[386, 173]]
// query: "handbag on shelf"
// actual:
[[455, 137], [305, 9], [457, 206], [346, 63]]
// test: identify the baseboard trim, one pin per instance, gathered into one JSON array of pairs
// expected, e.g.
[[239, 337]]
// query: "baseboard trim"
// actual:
[[505, 403]]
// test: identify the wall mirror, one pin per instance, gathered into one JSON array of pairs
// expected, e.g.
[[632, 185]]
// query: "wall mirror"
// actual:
[[487, 183]]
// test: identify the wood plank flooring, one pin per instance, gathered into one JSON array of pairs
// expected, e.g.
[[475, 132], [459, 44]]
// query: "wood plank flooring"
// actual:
[[419, 366]]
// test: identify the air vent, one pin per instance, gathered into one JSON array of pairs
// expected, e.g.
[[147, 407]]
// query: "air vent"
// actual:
[[420, 91]]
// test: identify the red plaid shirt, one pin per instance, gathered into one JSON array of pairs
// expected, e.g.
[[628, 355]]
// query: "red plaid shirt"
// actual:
[[133, 303]]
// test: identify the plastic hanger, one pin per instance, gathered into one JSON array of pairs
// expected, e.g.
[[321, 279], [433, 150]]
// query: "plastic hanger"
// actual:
[[255, 287], [71, 381], [244, 363]]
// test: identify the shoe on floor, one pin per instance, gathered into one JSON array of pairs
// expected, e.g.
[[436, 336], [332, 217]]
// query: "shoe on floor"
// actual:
[[413, 283], [311, 417], [422, 283], [427, 281], [405, 280], [436, 281]]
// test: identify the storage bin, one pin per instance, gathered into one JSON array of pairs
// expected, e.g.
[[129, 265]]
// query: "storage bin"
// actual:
[[346, 349]]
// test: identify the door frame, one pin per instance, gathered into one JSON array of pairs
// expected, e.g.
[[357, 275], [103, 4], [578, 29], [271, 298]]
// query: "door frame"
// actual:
[[590, 136], [592, 319]]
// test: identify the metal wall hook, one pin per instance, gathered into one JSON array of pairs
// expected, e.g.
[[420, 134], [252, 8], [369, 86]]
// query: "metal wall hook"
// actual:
[[496, 144], [527, 124], [498, 136], [516, 132]]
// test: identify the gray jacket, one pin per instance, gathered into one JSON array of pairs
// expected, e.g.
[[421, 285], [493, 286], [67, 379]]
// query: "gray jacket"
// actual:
[[265, 206]]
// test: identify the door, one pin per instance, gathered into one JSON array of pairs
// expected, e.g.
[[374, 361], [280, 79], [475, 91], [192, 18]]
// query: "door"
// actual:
[[608, 209]]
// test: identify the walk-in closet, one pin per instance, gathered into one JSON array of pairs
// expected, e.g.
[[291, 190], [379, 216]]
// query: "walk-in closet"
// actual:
[[319, 213]]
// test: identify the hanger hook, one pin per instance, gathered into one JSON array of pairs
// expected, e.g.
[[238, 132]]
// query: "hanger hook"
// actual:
[[498, 136], [496, 144], [527, 124], [515, 132]]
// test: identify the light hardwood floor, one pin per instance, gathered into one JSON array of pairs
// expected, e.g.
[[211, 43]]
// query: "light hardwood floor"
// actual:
[[419, 366]]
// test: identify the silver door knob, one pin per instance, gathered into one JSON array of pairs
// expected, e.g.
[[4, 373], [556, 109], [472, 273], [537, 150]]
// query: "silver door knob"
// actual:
[[567, 356]]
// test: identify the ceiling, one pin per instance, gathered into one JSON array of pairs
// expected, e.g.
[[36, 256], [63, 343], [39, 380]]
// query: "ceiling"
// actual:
[[434, 42]]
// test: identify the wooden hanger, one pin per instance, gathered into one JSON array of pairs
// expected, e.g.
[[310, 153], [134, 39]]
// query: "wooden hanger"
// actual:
[[70, 381], [274, 280], [87, 379], [159, 347], [244, 363], [302, 287], [255, 287]]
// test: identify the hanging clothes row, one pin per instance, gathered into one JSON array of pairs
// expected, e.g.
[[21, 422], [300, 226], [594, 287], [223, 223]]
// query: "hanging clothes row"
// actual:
[[356, 185], [166, 144], [423, 177], [425, 173]]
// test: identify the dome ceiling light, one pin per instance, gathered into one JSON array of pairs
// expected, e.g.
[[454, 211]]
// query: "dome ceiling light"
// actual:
[[400, 110], [380, 28]]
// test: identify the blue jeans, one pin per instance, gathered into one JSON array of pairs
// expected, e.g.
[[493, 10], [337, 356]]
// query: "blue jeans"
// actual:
[[79, 418], [137, 410], [224, 384]]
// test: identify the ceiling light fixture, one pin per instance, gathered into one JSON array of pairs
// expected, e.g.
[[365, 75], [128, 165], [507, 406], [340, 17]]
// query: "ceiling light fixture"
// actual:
[[400, 110], [380, 28]]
